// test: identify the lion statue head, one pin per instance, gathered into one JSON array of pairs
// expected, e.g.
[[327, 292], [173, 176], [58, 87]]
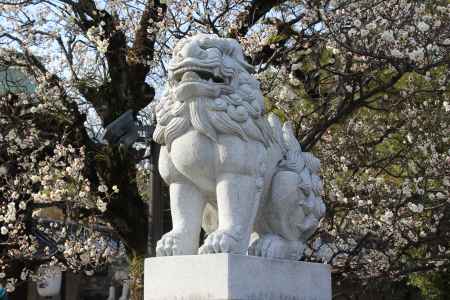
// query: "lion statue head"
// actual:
[[210, 88]]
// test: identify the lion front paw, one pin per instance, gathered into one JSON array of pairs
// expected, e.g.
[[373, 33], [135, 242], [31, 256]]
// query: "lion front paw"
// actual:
[[274, 246], [170, 244], [221, 241]]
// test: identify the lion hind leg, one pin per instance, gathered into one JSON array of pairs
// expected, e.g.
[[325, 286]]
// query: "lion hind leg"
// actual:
[[295, 205], [275, 246]]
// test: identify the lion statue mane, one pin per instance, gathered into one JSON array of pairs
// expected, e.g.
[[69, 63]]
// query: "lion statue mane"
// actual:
[[229, 166]]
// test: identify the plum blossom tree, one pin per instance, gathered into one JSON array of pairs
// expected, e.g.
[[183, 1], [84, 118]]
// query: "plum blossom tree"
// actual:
[[366, 84]]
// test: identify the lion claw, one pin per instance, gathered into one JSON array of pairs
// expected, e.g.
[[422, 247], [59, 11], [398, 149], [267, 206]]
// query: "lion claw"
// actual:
[[220, 242], [169, 245]]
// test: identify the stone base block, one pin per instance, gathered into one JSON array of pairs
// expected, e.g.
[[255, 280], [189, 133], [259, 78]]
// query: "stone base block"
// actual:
[[236, 277]]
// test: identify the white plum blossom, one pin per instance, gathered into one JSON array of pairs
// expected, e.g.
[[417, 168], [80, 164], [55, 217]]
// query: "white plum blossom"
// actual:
[[417, 54], [101, 205], [364, 33], [396, 53], [388, 36], [423, 26], [115, 189], [415, 208], [4, 230], [371, 26], [11, 212], [102, 188], [22, 205]]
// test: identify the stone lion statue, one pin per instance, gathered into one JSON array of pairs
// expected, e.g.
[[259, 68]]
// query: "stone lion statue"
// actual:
[[222, 152]]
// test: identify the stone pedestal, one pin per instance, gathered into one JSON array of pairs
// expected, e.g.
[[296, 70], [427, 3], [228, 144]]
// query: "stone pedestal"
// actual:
[[236, 277]]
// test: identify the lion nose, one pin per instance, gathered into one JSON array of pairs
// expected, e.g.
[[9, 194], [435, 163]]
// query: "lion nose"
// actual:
[[193, 50]]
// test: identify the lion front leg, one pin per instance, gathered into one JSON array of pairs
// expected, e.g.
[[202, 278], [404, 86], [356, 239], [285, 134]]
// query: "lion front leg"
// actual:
[[238, 193], [237, 206], [187, 203]]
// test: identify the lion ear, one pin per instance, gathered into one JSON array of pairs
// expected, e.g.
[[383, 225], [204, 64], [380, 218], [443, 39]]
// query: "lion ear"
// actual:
[[229, 47], [234, 49]]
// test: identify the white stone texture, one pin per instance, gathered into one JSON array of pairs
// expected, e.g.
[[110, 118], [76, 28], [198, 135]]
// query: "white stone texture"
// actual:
[[49, 283], [236, 277], [125, 291], [221, 151], [112, 293]]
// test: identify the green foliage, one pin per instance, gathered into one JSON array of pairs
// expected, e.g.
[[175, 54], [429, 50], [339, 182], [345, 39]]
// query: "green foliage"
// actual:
[[433, 286], [277, 38]]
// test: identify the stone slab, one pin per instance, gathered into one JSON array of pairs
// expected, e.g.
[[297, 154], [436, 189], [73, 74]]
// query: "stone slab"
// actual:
[[234, 277]]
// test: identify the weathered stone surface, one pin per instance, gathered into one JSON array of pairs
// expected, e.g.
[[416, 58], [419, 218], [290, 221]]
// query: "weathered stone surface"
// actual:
[[50, 280], [220, 149], [236, 277]]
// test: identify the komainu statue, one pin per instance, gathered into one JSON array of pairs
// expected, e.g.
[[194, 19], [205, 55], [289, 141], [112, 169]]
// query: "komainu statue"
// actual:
[[222, 152]]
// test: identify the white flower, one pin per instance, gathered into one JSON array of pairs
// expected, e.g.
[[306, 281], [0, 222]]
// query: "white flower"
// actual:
[[357, 23], [22, 205], [102, 46], [371, 26], [296, 66], [409, 137], [415, 208], [2, 275], [11, 213], [440, 195], [388, 36], [387, 217], [446, 180], [115, 189], [364, 32], [396, 53], [417, 55], [439, 263], [101, 205], [102, 188], [423, 26], [56, 197], [4, 230]]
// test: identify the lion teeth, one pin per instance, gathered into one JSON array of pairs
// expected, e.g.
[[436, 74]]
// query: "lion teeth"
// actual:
[[190, 76]]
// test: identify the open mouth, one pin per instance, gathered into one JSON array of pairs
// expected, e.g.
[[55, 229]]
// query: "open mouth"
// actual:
[[189, 74]]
